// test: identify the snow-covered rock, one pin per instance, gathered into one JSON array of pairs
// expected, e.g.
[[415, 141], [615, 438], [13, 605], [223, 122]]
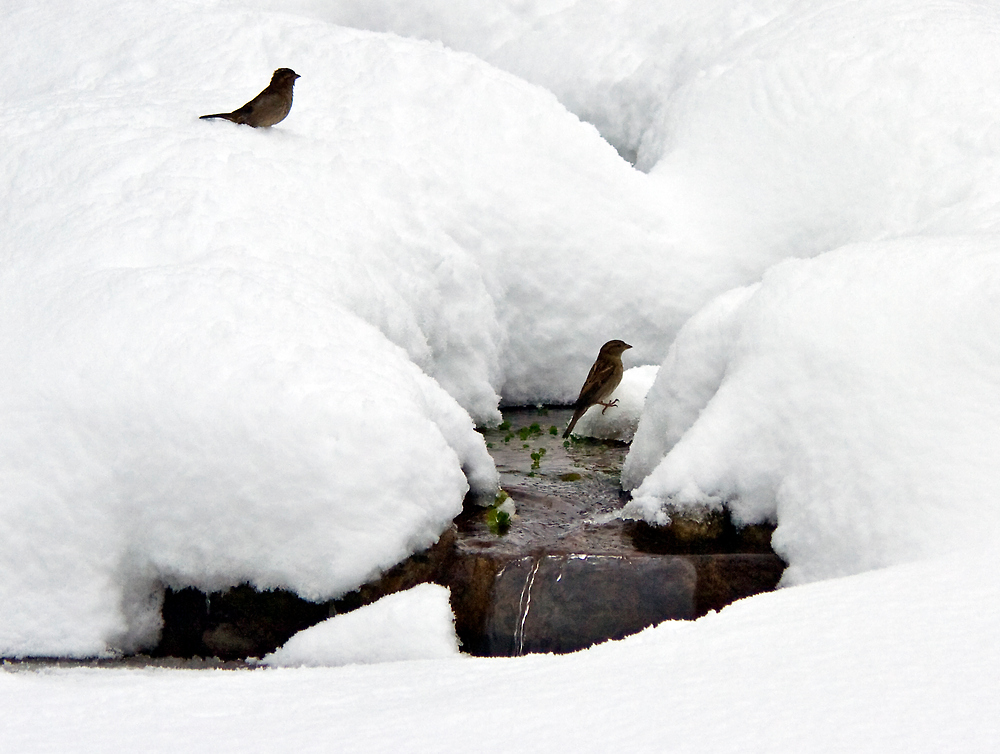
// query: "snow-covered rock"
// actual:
[[413, 625], [854, 399]]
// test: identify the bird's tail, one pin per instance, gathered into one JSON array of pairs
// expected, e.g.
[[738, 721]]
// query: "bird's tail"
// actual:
[[224, 116], [572, 422]]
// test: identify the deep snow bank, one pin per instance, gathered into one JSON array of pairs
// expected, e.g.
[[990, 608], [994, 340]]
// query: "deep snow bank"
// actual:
[[174, 426], [462, 212], [853, 398], [776, 127], [198, 315]]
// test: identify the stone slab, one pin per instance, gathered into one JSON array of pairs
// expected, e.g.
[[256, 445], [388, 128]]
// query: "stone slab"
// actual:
[[562, 603]]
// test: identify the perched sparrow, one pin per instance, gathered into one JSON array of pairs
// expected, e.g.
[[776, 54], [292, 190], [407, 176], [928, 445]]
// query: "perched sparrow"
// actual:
[[270, 106], [601, 382]]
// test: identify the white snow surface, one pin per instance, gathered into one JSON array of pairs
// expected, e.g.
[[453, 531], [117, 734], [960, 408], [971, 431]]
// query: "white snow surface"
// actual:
[[852, 398], [416, 624], [902, 659], [777, 127], [227, 346]]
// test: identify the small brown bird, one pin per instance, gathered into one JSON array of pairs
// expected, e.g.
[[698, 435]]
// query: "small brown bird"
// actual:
[[269, 107], [601, 382]]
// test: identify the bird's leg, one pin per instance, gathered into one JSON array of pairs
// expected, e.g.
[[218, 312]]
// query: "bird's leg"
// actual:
[[608, 405]]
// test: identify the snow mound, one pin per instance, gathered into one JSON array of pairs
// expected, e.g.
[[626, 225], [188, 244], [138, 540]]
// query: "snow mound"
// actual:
[[413, 625], [854, 399], [242, 355], [184, 428], [777, 127]]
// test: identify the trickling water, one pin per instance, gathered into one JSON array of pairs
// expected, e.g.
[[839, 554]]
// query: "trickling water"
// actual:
[[523, 608]]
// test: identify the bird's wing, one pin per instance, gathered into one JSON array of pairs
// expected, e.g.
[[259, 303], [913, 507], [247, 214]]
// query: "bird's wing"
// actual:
[[244, 111], [592, 390]]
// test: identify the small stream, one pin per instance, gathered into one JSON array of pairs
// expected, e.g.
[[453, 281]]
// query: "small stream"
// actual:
[[569, 572], [566, 491]]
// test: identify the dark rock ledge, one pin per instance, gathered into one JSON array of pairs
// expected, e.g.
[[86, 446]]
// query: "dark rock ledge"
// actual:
[[565, 575]]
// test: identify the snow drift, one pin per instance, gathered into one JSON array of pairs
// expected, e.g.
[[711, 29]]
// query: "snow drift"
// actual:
[[854, 399], [416, 624]]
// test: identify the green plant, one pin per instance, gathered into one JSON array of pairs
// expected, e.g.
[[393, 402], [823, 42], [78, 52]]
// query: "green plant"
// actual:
[[536, 458], [534, 430], [504, 425], [553, 430], [497, 520]]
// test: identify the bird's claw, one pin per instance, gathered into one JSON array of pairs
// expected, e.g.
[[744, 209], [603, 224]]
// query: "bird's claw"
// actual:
[[608, 405]]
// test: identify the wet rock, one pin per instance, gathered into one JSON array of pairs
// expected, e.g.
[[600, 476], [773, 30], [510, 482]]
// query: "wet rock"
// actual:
[[714, 533], [562, 603], [723, 578], [234, 624], [242, 622]]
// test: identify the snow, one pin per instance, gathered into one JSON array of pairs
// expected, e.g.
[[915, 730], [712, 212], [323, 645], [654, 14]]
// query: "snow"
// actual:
[[258, 355], [851, 398], [137, 454], [776, 127], [416, 624], [902, 659]]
